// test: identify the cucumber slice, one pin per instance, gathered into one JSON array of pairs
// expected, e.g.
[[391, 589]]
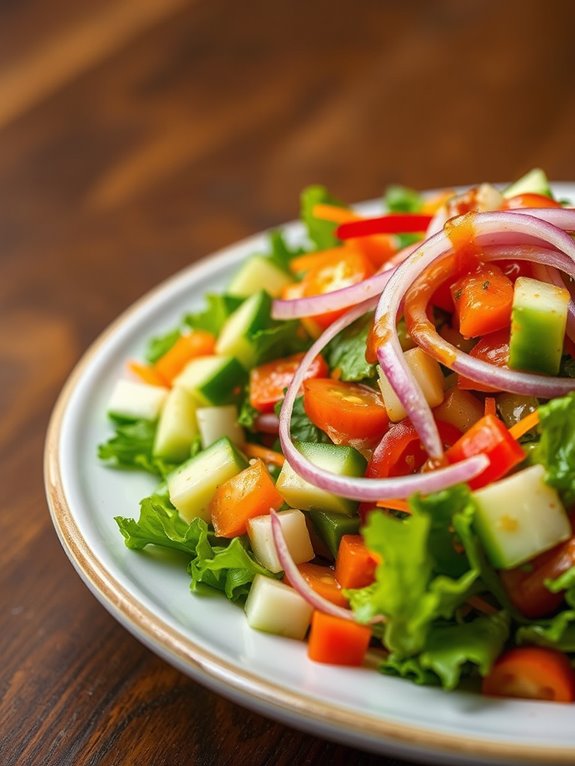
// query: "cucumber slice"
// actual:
[[236, 336], [538, 320], [177, 427], [534, 182], [136, 401], [212, 379], [275, 607], [259, 273], [295, 533], [331, 527], [519, 517], [340, 460], [215, 422], [192, 485]]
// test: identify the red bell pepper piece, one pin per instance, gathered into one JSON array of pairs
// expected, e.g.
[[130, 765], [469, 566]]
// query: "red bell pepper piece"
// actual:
[[396, 223]]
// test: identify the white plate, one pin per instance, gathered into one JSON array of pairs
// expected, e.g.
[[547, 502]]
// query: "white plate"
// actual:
[[208, 637]]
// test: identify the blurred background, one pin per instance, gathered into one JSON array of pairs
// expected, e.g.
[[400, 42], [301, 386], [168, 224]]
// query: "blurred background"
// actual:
[[137, 136]]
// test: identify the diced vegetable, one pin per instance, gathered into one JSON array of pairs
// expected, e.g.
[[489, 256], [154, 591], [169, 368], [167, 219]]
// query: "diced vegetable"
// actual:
[[428, 374], [295, 532], [482, 301], [268, 382], [236, 336], [520, 517], [336, 641], [259, 273], [192, 485], [331, 527], [514, 407], [538, 326], [532, 672], [460, 409], [535, 182], [215, 422], [177, 427], [212, 379], [354, 565], [186, 348], [136, 401], [146, 373], [275, 607], [494, 348], [322, 580]]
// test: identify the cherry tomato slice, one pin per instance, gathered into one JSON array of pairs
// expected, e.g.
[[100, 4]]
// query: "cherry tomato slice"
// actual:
[[494, 348], [529, 200], [532, 672], [269, 381], [348, 413]]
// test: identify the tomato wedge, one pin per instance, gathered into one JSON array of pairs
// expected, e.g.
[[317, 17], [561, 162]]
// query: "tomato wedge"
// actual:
[[532, 672], [269, 381], [491, 438], [400, 452], [494, 348], [482, 301], [322, 580], [349, 413]]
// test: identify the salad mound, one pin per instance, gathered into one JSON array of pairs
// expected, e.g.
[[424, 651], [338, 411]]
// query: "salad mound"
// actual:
[[369, 442]]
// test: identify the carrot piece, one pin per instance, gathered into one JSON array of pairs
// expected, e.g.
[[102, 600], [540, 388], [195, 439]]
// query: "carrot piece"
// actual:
[[483, 301], [319, 259], [267, 455], [490, 406], [186, 348], [147, 374], [525, 424], [336, 641], [395, 504], [322, 580], [334, 213], [250, 493], [354, 565]]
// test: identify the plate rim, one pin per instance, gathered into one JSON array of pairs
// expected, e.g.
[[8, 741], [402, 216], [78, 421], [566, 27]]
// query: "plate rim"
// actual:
[[237, 683]]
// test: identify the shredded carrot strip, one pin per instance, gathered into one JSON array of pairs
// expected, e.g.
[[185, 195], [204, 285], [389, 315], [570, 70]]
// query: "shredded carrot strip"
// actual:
[[524, 425], [479, 603], [335, 214], [394, 504], [147, 374], [267, 455], [490, 408]]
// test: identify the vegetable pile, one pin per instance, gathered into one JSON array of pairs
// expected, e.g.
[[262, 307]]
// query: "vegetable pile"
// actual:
[[370, 441]]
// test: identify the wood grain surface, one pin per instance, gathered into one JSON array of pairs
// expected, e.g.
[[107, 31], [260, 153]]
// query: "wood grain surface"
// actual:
[[137, 136]]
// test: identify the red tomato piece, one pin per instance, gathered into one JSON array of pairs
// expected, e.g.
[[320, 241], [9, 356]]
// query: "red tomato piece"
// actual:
[[322, 580], [488, 437], [494, 349], [348, 413], [529, 200], [532, 672], [482, 301], [269, 381]]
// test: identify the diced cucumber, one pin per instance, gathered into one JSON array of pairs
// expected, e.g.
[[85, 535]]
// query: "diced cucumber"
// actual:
[[136, 401], [519, 517], [340, 460], [215, 422], [331, 527], [296, 536], [259, 273], [236, 336], [212, 379], [275, 607], [533, 182], [177, 427], [193, 484], [538, 320], [428, 374]]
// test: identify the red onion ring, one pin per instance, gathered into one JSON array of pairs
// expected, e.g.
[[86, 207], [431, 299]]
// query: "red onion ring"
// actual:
[[298, 581], [356, 488]]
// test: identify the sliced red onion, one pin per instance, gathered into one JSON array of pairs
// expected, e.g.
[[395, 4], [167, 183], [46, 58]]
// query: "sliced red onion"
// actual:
[[553, 276], [267, 423], [492, 228], [561, 217], [298, 581], [357, 488]]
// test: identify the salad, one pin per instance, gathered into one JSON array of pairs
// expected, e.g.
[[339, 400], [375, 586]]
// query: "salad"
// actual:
[[369, 441]]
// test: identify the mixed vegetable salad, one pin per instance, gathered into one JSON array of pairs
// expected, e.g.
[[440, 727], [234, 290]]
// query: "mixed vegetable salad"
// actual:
[[370, 441]]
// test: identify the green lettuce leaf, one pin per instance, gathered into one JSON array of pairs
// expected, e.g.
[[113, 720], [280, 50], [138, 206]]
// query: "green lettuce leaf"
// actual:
[[320, 233], [213, 317], [346, 351], [556, 449], [131, 447], [278, 340], [401, 199], [302, 429], [161, 344], [452, 651], [280, 252]]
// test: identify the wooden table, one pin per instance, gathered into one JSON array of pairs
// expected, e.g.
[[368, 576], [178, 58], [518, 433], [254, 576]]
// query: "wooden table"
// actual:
[[139, 135]]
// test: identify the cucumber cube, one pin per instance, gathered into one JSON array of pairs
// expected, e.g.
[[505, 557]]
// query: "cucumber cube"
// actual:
[[275, 607], [296, 536], [259, 273], [340, 460], [212, 379], [192, 485], [177, 427], [215, 422], [331, 527], [519, 517], [538, 321], [533, 182], [428, 374], [136, 401], [236, 337]]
